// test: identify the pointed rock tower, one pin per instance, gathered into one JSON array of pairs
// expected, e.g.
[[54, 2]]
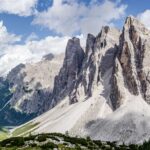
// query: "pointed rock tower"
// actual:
[[65, 80], [132, 64]]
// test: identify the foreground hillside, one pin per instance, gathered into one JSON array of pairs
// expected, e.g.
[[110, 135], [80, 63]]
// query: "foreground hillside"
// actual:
[[63, 142]]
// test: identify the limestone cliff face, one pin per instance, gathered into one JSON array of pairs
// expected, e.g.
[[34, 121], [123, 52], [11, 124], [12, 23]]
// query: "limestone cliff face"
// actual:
[[66, 79], [133, 59], [114, 62], [118, 62], [98, 64], [84, 73]]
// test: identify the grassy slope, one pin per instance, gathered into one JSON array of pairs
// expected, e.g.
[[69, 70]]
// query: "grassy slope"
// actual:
[[3, 133], [26, 129]]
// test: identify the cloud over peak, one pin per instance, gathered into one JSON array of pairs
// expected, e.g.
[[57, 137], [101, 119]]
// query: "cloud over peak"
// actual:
[[12, 53], [31, 51], [70, 17], [6, 37], [144, 17]]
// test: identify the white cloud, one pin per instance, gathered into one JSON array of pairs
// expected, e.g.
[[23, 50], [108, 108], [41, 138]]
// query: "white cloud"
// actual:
[[31, 51], [12, 53], [71, 17], [18, 7], [32, 36], [145, 18], [6, 38], [66, 18], [47, 45]]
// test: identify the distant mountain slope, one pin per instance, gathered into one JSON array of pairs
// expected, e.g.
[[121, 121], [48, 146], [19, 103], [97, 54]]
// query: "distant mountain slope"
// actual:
[[29, 89]]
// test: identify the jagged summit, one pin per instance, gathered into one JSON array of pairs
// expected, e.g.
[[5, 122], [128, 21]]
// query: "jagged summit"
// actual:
[[133, 23], [130, 19], [134, 57], [74, 40], [66, 79], [133, 20], [104, 30]]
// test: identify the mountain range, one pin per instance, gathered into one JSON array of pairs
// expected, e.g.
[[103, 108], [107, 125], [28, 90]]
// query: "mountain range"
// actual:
[[101, 91]]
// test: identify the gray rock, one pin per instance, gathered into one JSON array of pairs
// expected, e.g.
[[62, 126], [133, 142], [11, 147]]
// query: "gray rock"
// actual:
[[133, 56], [99, 60], [66, 79], [32, 85]]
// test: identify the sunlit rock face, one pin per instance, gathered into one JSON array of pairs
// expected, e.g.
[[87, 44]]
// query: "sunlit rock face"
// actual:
[[133, 60], [97, 67]]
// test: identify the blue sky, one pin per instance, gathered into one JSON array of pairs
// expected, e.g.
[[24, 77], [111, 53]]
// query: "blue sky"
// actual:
[[22, 25], [30, 29]]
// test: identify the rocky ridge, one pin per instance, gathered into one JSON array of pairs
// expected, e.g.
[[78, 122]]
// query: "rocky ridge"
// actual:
[[96, 91], [131, 68]]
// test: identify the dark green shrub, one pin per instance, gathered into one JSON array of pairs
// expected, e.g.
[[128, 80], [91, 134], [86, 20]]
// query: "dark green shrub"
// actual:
[[77, 147], [42, 138], [15, 141], [33, 145], [133, 147], [30, 138], [98, 143], [49, 145], [74, 140], [65, 144]]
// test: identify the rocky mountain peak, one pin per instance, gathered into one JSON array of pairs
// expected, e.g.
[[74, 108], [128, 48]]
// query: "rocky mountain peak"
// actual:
[[133, 56], [130, 20], [135, 29], [74, 40], [89, 44], [98, 61], [74, 55], [73, 44], [48, 57], [104, 30], [65, 80]]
